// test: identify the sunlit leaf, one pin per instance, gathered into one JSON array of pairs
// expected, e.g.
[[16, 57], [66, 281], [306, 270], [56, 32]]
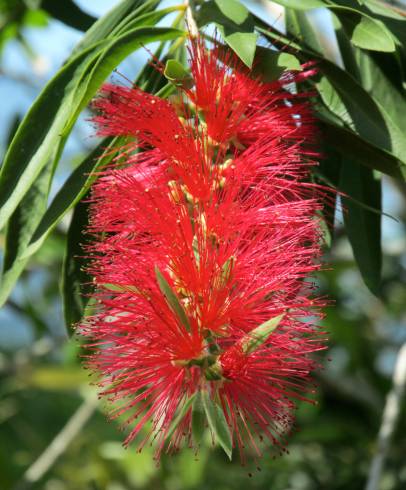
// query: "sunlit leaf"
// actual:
[[218, 423]]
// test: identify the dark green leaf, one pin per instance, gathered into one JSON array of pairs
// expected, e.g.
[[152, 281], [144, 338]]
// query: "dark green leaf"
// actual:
[[34, 142], [330, 169], [381, 78], [180, 416], [172, 299], [270, 65], [113, 54], [144, 20], [302, 4], [348, 143], [105, 26], [257, 337], [352, 103], [76, 282], [218, 423], [235, 24], [19, 230], [69, 13], [198, 418], [71, 192], [298, 24], [363, 226], [47, 125]]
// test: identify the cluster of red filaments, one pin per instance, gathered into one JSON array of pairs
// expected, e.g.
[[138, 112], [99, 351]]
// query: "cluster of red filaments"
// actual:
[[205, 234]]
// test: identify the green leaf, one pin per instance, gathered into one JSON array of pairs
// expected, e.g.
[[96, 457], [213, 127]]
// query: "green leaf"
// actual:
[[329, 169], [19, 230], [218, 423], [172, 299], [302, 4], [72, 191], [233, 10], [198, 418], [377, 73], [298, 24], [180, 416], [234, 23], [243, 44], [364, 117], [47, 125], [69, 13], [348, 143], [363, 226], [360, 112], [257, 337], [76, 282], [368, 33], [176, 73], [144, 20], [113, 54], [76, 186], [270, 65], [105, 26], [384, 9], [141, 8], [34, 142]]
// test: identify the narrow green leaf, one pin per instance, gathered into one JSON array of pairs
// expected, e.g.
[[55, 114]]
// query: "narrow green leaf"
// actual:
[[198, 418], [47, 125], [145, 20], [139, 10], [113, 54], [257, 337], [366, 118], [104, 27], [363, 226], [19, 229], [348, 143], [330, 169], [34, 142], [76, 282], [364, 115], [69, 13], [298, 24], [71, 192], [180, 416], [381, 79], [302, 4], [218, 423], [172, 299]]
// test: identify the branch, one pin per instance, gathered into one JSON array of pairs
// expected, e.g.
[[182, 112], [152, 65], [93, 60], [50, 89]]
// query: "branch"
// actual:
[[389, 420], [190, 20], [59, 444]]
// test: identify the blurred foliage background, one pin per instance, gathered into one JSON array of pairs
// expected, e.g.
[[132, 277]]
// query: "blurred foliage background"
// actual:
[[44, 390]]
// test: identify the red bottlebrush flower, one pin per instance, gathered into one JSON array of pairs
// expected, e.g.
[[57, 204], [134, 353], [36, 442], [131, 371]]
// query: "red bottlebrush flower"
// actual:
[[204, 240]]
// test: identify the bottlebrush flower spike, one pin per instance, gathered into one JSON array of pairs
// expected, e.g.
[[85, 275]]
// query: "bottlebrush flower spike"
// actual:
[[203, 241]]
